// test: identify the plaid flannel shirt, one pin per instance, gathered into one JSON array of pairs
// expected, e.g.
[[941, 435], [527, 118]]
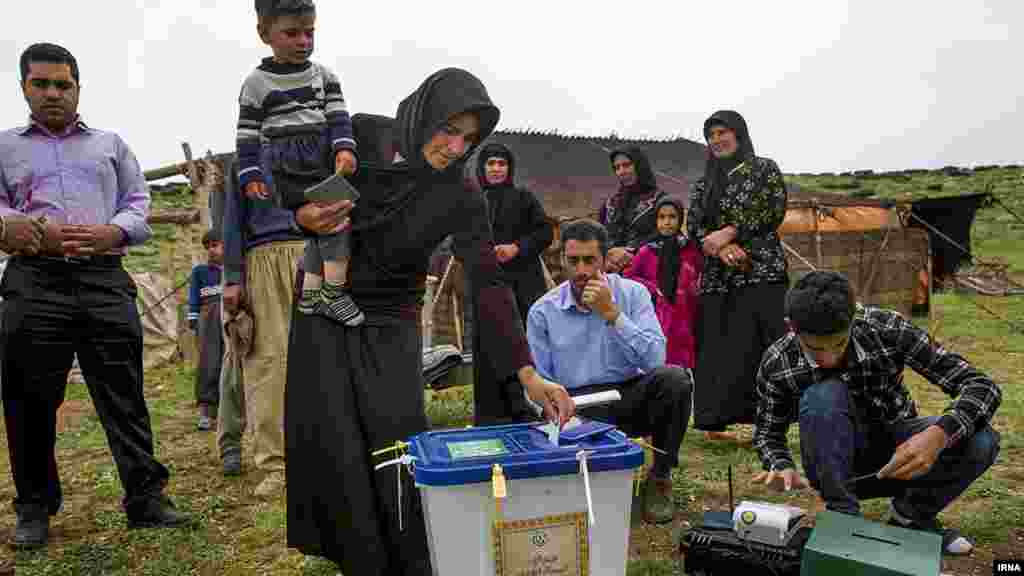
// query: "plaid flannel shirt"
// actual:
[[883, 342]]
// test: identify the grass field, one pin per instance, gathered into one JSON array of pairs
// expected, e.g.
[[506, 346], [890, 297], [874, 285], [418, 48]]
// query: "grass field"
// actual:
[[241, 535]]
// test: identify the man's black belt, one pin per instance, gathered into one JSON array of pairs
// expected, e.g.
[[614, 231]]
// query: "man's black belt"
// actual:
[[103, 260]]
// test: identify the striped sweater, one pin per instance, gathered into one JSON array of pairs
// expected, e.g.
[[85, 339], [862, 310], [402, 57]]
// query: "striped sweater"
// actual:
[[277, 96]]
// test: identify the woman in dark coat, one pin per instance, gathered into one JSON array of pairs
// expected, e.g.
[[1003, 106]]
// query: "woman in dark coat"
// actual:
[[521, 234], [521, 229], [735, 212], [355, 390]]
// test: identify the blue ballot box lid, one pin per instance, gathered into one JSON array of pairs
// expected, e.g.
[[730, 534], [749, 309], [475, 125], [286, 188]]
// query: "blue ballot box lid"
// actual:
[[466, 456]]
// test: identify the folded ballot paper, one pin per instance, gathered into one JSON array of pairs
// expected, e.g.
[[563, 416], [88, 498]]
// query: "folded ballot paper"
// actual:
[[576, 428]]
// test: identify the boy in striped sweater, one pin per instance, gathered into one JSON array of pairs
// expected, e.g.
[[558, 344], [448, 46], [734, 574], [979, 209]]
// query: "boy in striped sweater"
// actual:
[[293, 131]]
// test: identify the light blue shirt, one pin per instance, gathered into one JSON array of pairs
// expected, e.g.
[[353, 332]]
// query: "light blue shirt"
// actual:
[[576, 347]]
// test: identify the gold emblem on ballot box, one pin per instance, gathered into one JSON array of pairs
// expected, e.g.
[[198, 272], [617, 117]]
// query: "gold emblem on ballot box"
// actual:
[[548, 546]]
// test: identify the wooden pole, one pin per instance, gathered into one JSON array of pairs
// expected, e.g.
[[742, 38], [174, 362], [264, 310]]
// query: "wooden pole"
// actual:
[[165, 172], [817, 231], [457, 316], [177, 216], [193, 233], [202, 197]]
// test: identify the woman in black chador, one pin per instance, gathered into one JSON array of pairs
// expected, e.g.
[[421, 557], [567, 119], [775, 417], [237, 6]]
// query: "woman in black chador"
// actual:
[[354, 390]]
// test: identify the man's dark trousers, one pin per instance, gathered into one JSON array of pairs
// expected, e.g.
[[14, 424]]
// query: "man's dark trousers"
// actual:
[[656, 404], [838, 442], [54, 308]]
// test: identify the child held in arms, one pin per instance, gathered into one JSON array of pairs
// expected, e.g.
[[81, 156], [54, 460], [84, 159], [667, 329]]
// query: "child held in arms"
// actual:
[[294, 130]]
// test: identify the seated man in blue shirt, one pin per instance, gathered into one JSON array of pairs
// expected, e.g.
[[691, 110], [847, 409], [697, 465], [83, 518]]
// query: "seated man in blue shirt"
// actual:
[[598, 332]]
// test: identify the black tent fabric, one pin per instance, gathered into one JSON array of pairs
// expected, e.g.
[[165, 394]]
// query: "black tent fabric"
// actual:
[[953, 217]]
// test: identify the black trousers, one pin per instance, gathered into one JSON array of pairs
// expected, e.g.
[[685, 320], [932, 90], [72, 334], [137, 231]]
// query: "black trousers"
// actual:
[[657, 404], [54, 309]]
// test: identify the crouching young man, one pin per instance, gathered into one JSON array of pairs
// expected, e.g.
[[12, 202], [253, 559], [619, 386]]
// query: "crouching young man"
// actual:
[[839, 372]]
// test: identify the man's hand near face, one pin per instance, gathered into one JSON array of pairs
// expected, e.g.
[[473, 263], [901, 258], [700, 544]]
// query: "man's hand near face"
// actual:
[[598, 297]]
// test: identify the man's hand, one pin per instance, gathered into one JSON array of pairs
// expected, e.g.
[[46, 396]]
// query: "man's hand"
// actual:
[[617, 260], [598, 297], [257, 191], [90, 240], [232, 298], [782, 480], [715, 241], [23, 235], [554, 398], [916, 456], [506, 252], [53, 239], [345, 162]]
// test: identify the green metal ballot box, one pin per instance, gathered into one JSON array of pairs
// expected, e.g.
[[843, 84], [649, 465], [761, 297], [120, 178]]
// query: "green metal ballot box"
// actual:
[[842, 544]]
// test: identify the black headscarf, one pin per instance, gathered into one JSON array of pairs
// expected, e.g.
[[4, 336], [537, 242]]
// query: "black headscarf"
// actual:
[[669, 260], [626, 199], [443, 95], [494, 193], [716, 170], [495, 150]]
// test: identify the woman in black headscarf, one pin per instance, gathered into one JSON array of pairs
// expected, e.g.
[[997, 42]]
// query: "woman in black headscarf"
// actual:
[[521, 234], [735, 212], [353, 391], [629, 214], [521, 229]]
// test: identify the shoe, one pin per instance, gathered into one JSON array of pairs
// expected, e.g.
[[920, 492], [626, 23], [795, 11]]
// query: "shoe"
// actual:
[[658, 505], [32, 530], [232, 463], [156, 512], [720, 436], [953, 543], [308, 301], [272, 485], [337, 305], [205, 424]]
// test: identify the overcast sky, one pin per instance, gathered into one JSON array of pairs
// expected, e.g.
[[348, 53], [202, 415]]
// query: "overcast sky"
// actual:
[[824, 85]]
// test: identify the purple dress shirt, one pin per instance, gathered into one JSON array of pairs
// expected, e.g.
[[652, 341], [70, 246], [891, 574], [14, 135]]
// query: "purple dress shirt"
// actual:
[[82, 176]]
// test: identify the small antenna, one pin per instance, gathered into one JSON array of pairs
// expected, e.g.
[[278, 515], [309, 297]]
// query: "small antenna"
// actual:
[[732, 507]]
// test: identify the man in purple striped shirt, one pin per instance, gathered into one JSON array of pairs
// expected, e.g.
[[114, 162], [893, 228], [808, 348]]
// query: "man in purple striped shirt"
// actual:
[[72, 199]]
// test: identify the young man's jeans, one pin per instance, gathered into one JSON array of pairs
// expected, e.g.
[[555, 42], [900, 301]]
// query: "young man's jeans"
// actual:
[[838, 443]]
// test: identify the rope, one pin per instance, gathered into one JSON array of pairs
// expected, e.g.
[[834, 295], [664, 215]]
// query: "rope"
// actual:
[[797, 254], [168, 295], [1012, 213], [444, 277], [940, 234]]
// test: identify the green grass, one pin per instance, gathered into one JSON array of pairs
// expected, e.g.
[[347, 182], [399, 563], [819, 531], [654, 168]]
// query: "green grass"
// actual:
[[240, 535]]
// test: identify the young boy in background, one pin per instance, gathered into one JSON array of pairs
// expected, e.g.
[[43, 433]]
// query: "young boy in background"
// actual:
[[204, 298]]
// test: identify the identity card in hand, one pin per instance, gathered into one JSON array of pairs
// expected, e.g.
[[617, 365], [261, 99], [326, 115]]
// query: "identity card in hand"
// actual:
[[333, 189]]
